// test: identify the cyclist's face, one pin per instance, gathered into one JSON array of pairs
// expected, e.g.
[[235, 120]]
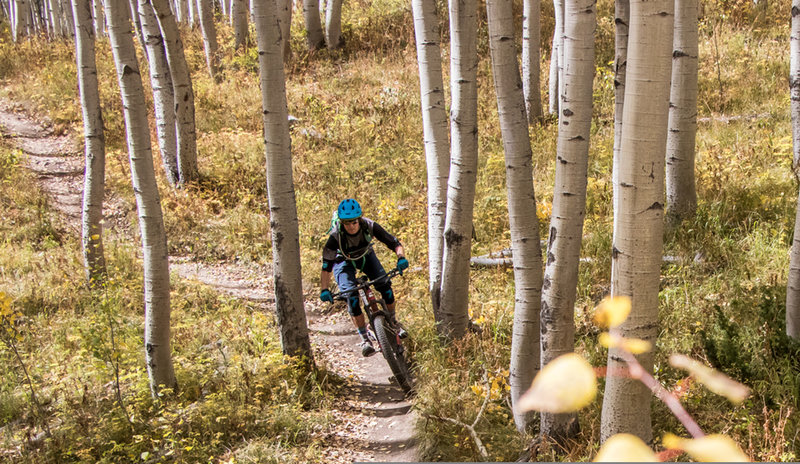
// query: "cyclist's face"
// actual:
[[351, 227]]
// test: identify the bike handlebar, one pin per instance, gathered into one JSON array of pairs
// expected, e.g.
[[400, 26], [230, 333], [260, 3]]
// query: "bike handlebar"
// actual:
[[389, 275]]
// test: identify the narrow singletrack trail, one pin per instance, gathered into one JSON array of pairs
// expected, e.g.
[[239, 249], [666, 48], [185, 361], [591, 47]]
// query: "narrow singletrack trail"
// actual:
[[374, 422]]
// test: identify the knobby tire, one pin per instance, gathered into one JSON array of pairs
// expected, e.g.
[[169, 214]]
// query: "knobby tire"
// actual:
[[397, 363]]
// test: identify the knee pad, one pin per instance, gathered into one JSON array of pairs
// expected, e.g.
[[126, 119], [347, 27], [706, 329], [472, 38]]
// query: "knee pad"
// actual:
[[353, 307], [388, 295]]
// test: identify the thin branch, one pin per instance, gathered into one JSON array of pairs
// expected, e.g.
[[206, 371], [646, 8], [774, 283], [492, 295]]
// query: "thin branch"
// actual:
[[673, 403], [471, 428]]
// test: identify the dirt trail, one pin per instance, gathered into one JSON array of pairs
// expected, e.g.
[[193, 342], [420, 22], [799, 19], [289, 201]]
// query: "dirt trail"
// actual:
[[374, 422]]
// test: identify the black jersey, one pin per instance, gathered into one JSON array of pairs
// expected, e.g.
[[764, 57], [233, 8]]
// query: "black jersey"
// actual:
[[342, 246]]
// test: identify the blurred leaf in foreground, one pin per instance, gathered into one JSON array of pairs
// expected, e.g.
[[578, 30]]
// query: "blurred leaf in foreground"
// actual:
[[612, 311], [567, 384], [711, 448], [714, 380], [624, 447], [632, 345]]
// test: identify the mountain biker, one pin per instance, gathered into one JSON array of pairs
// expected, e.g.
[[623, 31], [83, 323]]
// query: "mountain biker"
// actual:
[[348, 249]]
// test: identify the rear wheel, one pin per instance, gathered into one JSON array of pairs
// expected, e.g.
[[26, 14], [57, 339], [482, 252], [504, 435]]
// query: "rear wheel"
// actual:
[[393, 353]]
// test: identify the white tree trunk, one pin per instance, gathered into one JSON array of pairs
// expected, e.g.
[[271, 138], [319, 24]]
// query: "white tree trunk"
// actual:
[[239, 22], [681, 190], [556, 56], [94, 145], [182, 89], [20, 23], [622, 13], [192, 12], [69, 28], [280, 186], [151, 223], [182, 11], [285, 19], [133, 13], [531, 69], [569, 199], [54, 18], [793, 284], [206, 13], [463, 168], [315, 37], [637, 243], [521, 204], [99, 18], [436, 134], [163, 92], [333, 24]]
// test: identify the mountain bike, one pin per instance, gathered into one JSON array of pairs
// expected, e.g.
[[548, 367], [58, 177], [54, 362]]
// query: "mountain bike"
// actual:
[[385, 332]]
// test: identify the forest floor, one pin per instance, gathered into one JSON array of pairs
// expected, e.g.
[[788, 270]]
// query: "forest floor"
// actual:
[[374, 422]]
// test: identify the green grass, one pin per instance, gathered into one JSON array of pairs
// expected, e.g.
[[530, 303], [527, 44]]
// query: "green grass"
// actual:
[[359, 135]]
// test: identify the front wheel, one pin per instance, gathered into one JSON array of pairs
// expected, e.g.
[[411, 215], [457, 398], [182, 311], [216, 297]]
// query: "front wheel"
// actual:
[[393, 353]]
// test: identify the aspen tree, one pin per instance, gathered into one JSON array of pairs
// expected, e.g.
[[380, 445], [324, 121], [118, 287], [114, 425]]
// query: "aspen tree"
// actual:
[[436, 135], [280, 185], [639, 214], [94, 145], [793, 284], [531, 68], [163, 92], [182, 90], [521, 204], [239, 22], [315, 37], [209, 31], [556, 56], [681, 190], [559, 290], [622, 14], [333, 24], [463, 168], [151, 223]]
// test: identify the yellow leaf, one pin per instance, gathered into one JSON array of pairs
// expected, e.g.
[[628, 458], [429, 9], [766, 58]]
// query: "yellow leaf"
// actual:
[[624, 447], [611, 312], [714, 380], [632, 345], [711, 448], [477, 389], [567, 384], [96, 237]]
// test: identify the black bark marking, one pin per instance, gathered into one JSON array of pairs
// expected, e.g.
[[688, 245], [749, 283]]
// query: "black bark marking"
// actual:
[[795, 11], [620, 22], [656, 206], [577, 138], [127, 70], [561, 160], [551, 258], [553, 234], [625, 184], [568, 112], [452, 238], [679, 54], [546, 284], [614, 252]]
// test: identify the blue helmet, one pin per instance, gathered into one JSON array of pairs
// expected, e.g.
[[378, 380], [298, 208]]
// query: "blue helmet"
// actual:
[[349, 209]]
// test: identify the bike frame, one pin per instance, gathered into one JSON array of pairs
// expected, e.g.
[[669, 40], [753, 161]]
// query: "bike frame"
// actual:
[[370, 304]]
